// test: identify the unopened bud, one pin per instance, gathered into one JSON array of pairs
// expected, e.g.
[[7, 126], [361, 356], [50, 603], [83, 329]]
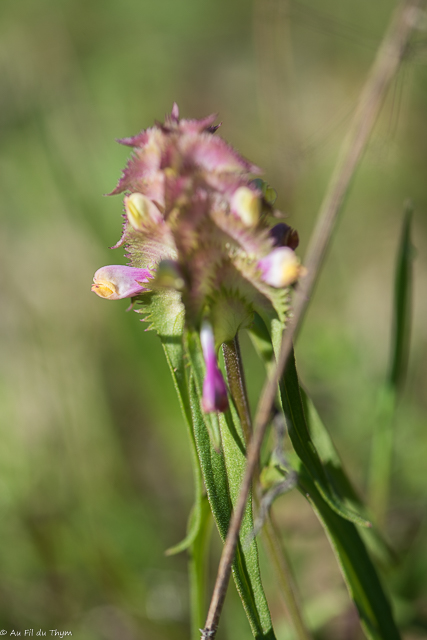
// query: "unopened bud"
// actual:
[[281, 267], [246, 204], [140, 210], [214, 388], [284, 236]]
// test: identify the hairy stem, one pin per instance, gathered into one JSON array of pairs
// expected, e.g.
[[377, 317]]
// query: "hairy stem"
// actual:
[[386, 63], [237, 384]]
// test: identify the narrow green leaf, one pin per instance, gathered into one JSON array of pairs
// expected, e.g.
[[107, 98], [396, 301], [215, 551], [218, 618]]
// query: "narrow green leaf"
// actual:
[[235, 461], [304, 445], [402, 304], [297, 425], [339, 480], [383, 433], [358, 571], [167, 318], [222, 491], [174, 351], [194, 526]]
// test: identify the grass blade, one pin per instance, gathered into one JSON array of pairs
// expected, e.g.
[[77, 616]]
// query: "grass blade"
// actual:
[[402, 304], [383, 436]]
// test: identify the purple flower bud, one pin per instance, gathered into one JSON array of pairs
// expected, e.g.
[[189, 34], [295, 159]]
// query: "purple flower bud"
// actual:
[[214, 388], [280, 268], [116, 282], [284, 236]]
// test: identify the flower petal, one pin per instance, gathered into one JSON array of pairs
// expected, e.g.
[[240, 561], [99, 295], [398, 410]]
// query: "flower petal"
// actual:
[[280, 268], [246, 205], [214, 388], [141, 211], [115, 282]]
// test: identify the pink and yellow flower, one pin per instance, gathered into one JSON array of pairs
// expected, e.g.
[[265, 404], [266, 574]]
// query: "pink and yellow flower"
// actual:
[[116, 282]]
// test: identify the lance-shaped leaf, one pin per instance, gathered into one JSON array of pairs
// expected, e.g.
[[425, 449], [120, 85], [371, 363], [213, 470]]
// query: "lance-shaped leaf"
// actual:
[[402, 304], [383, 433], [342, 484], [165, 312], [223, 473], [358, 571]]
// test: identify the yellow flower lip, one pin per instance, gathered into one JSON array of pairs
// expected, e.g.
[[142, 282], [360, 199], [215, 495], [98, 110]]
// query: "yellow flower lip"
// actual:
[[141, 211], [290, 273], [247, 206], [115, 282], [104, 288]]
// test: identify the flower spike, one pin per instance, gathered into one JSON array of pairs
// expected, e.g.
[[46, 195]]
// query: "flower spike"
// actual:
[[198, 224], [214, 388]]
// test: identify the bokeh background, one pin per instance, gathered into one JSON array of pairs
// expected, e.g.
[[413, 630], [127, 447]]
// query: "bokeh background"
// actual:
[[95, 476]]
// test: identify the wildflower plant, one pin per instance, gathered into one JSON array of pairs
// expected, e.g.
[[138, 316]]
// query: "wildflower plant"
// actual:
[[208, 258]]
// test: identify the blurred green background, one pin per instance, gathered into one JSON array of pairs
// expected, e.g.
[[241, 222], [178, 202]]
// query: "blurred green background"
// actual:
[[95, 477]]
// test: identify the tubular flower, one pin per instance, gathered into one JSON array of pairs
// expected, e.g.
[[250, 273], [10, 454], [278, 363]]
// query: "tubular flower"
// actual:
[[116, 282], [214, 389], [197, 221]]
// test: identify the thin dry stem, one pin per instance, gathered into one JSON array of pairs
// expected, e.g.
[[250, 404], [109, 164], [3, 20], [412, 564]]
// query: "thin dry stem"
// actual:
[[385, 66]]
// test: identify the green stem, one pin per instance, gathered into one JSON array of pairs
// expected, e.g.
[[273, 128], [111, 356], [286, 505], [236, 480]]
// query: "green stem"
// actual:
[[276, 552]]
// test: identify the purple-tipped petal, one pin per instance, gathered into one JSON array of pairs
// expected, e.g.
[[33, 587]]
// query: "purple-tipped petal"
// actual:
[[214, 388], [116, 282]]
